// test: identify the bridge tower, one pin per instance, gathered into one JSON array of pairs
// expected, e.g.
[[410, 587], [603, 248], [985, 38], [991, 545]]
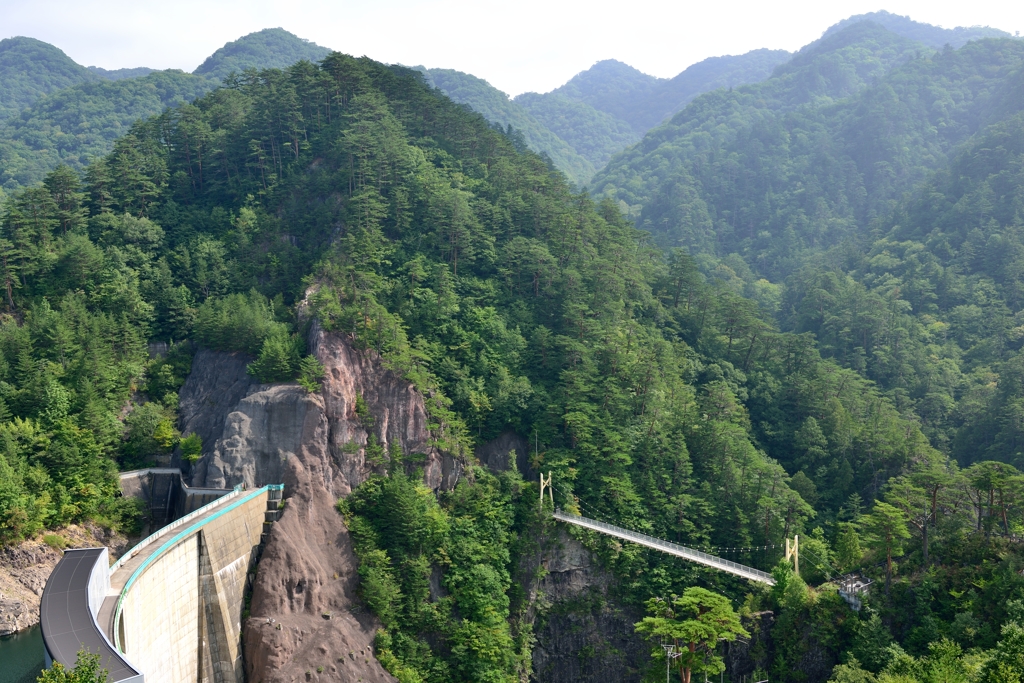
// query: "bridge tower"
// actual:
[[794, 552], [546, 484]]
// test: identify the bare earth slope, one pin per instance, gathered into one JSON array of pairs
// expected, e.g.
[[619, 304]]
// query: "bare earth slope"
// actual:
[[306, 621]]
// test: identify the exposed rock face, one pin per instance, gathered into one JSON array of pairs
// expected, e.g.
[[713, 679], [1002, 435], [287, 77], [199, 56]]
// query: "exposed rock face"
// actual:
[[305, 613], [744, 657], [582, 635], [399, 414], [217, 383], [265, 429], [25, 567], [250, 430], [495, 454]]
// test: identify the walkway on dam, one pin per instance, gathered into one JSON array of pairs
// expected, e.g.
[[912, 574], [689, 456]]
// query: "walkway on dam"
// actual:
[[667, 547], [181, 592], [126, 567]]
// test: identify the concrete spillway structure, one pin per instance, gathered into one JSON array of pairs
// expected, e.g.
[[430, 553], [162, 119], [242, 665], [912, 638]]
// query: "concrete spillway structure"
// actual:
[[170, 610]]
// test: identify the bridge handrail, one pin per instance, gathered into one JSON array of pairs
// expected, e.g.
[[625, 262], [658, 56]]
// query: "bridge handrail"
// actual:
[[170, 543], [659, 544], [173, 525]]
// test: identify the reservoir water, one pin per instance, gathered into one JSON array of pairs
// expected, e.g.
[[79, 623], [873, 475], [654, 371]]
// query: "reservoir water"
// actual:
[[21, 656]]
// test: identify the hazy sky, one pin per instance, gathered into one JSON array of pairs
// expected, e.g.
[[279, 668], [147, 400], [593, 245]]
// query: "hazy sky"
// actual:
[[516, 45]]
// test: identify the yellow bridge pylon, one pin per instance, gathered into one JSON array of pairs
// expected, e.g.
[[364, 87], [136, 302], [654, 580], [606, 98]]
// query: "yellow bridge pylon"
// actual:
[[794, 552], [546, 484]]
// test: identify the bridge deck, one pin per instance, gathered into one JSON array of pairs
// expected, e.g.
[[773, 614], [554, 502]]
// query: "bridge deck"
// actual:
[[667, 547]]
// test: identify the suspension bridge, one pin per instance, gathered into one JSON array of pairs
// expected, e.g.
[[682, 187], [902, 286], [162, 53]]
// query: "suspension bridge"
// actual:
[[690, 554], [682, 551]]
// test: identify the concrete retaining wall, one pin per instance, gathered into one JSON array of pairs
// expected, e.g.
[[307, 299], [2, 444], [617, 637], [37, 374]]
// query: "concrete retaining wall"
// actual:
[[165, 494]]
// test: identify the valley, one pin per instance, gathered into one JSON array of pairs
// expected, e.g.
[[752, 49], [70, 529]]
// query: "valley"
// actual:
[[773, 302]]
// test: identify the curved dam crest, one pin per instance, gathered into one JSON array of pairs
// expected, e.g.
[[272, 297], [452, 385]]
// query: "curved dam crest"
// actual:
[[171, 608]]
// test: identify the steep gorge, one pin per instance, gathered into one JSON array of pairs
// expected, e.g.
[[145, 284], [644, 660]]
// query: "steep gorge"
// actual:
[[306, 619]]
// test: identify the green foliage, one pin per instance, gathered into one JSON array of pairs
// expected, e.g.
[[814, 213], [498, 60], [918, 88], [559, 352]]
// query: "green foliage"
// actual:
[[55, 541], [871, 644], [311, 373], [240, 322], [405, 538], [848, 548], [278, 359], [149, 432], [271, 48], [86, 670], [191, 448], [694, 623]]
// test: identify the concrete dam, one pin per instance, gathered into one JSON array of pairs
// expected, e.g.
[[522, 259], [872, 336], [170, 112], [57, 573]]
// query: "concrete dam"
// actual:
[[170, 610]]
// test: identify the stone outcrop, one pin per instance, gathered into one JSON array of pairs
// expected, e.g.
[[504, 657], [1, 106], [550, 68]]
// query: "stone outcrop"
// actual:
[[496, 454], [582, 634], [25, 567], [306, 621], [217, 382], [250, 430]]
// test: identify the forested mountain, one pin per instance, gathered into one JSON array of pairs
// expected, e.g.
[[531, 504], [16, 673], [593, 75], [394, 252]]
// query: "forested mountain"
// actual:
[[711, 74], [594, 134], [611, 86], [878, 185], [479, 275], [822, 115], [75, 125], [58, 112], [602, 110], [267, 49], [495, 106], [643, 101], [791, 309], [932, 36], [30, 68]]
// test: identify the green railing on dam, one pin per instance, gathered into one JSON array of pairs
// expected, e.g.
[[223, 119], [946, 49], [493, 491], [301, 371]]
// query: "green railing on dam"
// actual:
[[174, 601], [203, 560]]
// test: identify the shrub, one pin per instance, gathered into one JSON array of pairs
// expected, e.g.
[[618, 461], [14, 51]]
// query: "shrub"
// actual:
[[311, 373], [54, 541]]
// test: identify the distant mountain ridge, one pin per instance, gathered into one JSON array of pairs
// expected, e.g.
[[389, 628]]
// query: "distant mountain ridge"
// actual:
[[54, 110], [580, 126], [600, 111], [932, 36], [271, 48], [30, 69]]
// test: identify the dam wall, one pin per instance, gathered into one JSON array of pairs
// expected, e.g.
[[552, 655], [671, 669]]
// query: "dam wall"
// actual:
[[170, 610], [179, 613]]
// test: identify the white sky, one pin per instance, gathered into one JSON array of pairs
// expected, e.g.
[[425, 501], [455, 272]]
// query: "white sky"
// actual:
[[517, 45]]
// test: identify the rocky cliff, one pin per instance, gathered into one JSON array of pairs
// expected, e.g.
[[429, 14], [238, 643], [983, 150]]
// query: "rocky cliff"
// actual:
[[582, 634], [306, 621]]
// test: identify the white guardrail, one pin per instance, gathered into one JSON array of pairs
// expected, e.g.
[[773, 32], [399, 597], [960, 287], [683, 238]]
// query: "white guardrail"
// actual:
[[181, 521], [667, 547]]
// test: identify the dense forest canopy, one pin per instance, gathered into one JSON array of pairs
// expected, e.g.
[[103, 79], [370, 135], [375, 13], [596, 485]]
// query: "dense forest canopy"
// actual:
[[30, 68], [794, 310], [54, 111]]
